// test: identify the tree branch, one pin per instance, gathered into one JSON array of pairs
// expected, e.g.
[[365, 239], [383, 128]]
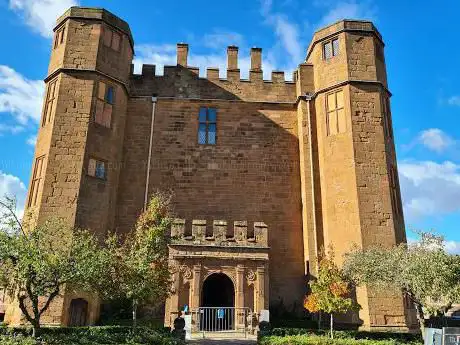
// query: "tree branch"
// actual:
[[14, 216], [51, 297]]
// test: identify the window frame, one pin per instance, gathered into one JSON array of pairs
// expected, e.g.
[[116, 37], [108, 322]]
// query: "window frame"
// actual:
[[386, 118], [36, 181], [105, 102], [59, 37], [207, 123], [112, 33], [96, 161], [335, 111], [393, 182], [49, 101], [334, 52]]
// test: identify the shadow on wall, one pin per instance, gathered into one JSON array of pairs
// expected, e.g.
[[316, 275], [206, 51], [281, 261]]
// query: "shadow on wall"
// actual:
[[251, 173]]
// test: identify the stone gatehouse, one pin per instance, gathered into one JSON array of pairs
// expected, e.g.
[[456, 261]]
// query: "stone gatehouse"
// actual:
[[265, 172]]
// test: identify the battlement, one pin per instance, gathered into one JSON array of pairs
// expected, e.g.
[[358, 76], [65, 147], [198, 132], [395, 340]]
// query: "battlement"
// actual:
[[212, 72], [98, 14], [184, 81], [218, 233]]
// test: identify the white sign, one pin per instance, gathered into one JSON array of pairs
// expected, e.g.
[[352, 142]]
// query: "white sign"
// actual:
[[188, 326], [264, 316]]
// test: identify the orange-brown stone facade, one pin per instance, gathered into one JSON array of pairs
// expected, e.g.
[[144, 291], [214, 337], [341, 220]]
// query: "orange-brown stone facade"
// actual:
[[279, 170]]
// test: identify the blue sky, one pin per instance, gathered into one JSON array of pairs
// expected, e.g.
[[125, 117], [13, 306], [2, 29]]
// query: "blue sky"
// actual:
[[422, 55]]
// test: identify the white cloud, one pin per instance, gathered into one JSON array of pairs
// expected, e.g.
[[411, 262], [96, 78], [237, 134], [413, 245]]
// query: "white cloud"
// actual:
[[287, 33], [41, 15], [221, 38], [454, 100], [10, 129], [429, 188], [12, 186], [32, 140], [161, 55], [20, 96], [348, 10], [435, 139], [453, 247]]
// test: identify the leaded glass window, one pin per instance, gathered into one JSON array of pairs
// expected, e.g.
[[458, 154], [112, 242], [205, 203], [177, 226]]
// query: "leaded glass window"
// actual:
[[331, 49], [97, 168], [207, 126]]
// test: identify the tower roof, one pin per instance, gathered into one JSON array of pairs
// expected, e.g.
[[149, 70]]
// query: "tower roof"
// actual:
[[344, 25], [98, 14]]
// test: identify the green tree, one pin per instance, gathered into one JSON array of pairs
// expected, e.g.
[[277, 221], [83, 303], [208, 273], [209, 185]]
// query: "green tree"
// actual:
[[137, 265], [424, 271], [37, 263], [330, 292]]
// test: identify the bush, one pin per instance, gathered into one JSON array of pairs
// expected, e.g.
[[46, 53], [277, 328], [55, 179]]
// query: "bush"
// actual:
[[323, 340], [401, 338], [106, 335]]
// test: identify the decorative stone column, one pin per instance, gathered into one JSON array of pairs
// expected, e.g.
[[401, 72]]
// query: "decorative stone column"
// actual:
[[239, 296], [260, 288], [195, 299], [172, 302]]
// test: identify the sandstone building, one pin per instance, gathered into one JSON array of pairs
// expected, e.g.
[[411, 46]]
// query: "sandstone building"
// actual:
[[265, 172]]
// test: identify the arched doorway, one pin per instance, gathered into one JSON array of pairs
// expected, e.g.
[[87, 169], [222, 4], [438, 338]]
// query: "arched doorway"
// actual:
[[78, 312], [217, 303]]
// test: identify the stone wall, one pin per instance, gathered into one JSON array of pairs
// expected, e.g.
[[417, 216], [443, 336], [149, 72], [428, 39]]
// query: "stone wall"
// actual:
[[251, 173]]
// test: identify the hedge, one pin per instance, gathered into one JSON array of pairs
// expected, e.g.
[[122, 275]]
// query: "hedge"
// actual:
[[400, 336], [105, 335], [323, 340]]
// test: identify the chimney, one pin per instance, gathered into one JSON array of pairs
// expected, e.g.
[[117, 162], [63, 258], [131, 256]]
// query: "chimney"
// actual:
[[232, 58], [182, 53], [256, 59]]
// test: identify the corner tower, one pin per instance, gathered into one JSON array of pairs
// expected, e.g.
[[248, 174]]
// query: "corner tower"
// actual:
[[355, 197], [79, 144]]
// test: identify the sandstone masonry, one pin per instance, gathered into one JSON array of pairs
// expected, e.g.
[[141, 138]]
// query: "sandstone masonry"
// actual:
[[265, 173]]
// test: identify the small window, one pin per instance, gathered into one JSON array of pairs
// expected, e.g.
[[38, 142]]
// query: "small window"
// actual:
[[97, 168], [104, 104], [331, 49], [50, 102], [394, 190], [59, 37], [207, 126], [336, 121], [388, 129], [112, 39], [37, 180]]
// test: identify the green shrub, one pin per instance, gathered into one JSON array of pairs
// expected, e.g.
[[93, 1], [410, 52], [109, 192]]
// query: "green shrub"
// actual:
[[106, 335], [399, 336], [323, 340]]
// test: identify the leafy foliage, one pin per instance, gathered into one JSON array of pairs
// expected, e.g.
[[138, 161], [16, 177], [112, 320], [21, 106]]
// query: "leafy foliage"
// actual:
[[89, 336], [321, 340], [137, 267], [330, 291], [37, 263], [424, 271]]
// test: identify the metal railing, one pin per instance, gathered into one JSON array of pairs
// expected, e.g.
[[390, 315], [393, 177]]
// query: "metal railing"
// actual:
[[219, 320]]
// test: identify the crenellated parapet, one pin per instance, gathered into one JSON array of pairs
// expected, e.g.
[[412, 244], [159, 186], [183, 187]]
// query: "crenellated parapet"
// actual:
[[184, 81], [219, 233]]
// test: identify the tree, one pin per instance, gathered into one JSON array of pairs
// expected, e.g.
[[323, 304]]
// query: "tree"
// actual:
[[424, 271], [38, 262], [138, 265], [330, 291]]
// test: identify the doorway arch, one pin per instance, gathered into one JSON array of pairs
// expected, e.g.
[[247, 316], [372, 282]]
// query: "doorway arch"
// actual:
[[217, 311], [78, 312], [218, 291]]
